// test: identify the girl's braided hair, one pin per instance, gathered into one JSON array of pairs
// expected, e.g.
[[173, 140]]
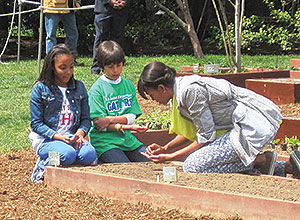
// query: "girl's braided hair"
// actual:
[[154, 74]]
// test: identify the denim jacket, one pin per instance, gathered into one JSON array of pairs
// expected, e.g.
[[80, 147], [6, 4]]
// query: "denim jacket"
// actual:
[[45, 107]]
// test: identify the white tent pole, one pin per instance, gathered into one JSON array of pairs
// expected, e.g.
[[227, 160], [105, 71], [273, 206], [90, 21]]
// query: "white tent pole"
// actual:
[[19, 35], [40, 38]]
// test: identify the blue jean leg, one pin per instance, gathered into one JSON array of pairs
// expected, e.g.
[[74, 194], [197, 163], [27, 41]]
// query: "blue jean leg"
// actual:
[[51, 25], [86, 154], [70, 27], [68, 155], [116, 155]]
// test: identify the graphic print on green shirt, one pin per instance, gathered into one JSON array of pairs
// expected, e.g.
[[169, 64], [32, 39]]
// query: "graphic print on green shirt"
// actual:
[[107, 99]]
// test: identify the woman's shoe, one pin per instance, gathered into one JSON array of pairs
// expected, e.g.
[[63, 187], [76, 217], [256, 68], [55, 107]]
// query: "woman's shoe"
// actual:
[[295, 161], [269, 167]]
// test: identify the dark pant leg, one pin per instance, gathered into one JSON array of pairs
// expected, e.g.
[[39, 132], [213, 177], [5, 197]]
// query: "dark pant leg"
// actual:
[[102, 27], [119, 22]]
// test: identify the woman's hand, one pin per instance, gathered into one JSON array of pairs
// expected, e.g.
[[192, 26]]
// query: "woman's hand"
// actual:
[[155, 149], [159, 158]]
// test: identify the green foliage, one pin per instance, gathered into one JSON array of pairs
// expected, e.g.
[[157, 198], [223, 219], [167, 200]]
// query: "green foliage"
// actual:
[[292, 142], [275, 141], [158, 119], [146, 28], [281, 29]]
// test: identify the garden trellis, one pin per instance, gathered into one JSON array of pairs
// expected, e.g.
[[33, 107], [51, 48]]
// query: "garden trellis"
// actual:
[[40, 8]]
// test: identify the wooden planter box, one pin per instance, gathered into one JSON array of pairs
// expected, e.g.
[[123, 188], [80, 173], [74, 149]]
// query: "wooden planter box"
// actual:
[[160, 137], [193, 200], [280, 91], [196, 201], [294, 74], [295, 63], [289, 127], [240, 78]]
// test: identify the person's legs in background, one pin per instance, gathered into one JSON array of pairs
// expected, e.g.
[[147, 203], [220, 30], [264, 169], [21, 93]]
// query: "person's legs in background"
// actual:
[[51, 24], [119, 22], [102, 25], [70, 27]]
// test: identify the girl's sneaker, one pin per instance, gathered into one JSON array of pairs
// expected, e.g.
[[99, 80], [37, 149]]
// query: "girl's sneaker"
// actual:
[[37, 173]]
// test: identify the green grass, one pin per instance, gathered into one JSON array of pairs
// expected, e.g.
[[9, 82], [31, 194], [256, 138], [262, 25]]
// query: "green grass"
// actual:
[[17, 80]]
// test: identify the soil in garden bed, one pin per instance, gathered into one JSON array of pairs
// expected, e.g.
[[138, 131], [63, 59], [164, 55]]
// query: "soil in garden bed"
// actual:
[[22, 199], [262, 186]]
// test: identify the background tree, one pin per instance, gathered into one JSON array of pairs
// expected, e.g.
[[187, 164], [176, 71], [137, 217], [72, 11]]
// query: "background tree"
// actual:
[[187, 24], [239, 7]]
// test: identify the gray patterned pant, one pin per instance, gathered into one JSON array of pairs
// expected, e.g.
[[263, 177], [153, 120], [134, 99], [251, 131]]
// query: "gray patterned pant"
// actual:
[[216, 157]]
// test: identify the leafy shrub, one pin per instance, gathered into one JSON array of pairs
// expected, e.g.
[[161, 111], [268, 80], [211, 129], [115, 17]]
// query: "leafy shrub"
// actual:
[[281, 30], [158, 119], [144, 27]]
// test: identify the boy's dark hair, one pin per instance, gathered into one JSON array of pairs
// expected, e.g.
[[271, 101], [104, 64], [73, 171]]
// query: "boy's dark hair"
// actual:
[[154, 74], [47, 75], [109, 52]]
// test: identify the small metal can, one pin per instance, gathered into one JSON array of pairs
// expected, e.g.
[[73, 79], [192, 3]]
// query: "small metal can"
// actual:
[[196, 68]]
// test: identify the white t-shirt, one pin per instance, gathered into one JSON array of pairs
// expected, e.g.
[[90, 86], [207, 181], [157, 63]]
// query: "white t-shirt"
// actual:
[[66, 118]]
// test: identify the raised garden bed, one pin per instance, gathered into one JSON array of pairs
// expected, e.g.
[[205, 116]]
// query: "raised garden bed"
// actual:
[[250, 197], [239, 78], [218, 194], [280, 91]]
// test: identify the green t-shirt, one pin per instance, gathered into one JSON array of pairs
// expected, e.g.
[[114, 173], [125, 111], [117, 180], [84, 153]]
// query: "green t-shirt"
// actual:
[[107, 99]]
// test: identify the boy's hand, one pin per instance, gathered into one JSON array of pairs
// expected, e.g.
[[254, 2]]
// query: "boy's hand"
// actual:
[[101, 123], [140, 129]]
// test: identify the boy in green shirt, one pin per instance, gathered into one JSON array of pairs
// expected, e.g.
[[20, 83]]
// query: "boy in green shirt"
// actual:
[[113, 109]]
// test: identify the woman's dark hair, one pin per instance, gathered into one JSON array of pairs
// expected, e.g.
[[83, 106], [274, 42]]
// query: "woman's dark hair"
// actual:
[[109, 52], [47, 75], [154, 74]]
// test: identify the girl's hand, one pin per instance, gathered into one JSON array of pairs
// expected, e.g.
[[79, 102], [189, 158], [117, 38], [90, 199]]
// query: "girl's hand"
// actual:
[[78, 139], [64, 138]]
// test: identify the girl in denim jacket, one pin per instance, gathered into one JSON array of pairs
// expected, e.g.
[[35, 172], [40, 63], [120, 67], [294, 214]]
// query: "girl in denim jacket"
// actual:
[[59, 114]]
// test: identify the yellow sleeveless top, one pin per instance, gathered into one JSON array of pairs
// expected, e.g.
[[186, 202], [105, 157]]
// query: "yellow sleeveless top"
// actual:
[[184, 127]]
